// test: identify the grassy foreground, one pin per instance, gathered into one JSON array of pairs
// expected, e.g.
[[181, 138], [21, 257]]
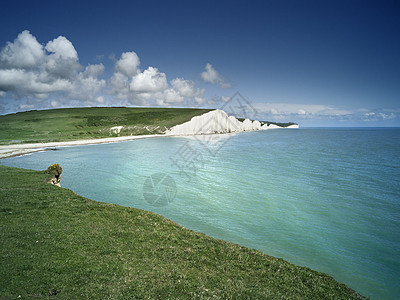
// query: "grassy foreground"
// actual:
[[57, 244], [87, 123]]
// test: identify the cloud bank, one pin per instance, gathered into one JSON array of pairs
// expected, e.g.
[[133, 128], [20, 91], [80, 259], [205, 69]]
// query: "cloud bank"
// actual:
[[50, 75], [36, 75], [29, 69], [308, 113], [150, 86]]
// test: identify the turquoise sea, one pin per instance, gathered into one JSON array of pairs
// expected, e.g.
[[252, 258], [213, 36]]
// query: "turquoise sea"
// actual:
[[325, 198]]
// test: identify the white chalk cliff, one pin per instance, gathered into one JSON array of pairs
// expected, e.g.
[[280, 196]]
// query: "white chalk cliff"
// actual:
[[218, 121]]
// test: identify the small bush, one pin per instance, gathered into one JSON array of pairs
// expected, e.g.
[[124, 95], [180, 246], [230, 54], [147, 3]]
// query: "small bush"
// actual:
[[54, 169]]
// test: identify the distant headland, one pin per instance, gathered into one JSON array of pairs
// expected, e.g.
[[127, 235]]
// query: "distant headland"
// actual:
[[33, 131]]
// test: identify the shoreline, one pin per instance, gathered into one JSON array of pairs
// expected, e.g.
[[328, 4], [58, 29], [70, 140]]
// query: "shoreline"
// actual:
[[13, 150], [23, 149], [7, 151], [209, 123]]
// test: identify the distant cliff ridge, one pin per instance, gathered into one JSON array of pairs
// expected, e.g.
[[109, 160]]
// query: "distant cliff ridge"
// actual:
[[218, 121]]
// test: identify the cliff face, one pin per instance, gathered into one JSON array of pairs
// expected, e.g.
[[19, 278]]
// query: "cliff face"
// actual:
[[217, 121]]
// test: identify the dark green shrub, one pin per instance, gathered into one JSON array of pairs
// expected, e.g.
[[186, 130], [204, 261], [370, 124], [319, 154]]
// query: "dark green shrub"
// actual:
[[54, 169]]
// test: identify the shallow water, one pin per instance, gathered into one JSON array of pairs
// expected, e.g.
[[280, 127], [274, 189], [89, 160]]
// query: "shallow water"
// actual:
[[328, 199]]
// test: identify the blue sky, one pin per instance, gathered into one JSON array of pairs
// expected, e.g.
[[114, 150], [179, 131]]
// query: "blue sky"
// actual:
[[318, 63]]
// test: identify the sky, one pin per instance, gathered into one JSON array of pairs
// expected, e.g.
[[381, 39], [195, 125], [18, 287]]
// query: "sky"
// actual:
[[316, 63]]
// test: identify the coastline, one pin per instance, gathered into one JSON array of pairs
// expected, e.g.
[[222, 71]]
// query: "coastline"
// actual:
[[22, 149], [210, 123]]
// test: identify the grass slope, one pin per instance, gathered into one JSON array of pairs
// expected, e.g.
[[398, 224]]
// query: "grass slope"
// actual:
[[86, 123], [56, 244]]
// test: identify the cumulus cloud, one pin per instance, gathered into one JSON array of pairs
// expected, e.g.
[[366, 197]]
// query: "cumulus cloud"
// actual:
[[170, 96], [25, 52], [184, 87], [93, 71], [149, 81], [62, 61], [143, 87], [27, 69], [88, 86], [210, 75], [128, 64], [42, 75], [29, 83], [120, 85], [128, 83], [180, 91], [62, 48], [187, 89]]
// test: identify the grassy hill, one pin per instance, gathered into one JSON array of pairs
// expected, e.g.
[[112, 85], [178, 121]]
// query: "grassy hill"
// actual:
[[58, 245], [86, 123]]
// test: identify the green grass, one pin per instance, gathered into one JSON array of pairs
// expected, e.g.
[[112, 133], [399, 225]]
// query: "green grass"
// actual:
[[54, 241], [86, 123]]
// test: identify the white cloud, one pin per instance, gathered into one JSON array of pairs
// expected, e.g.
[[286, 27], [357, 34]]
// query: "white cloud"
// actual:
[[171, 96], [128, 83], [27, 69], [42, 75], [149, 81], [151, 85], [184, 87], [199, 100], [62, 48], [120, 85], [187, 89], [210, 75], [25, 52], [23, 82], [128, 64], [62, 61], [93, 71], [88, 86]]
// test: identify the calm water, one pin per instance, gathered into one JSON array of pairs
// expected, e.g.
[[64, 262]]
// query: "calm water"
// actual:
[[328, 199]]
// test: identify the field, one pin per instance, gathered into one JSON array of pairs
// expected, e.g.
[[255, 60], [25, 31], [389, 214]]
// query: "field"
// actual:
[[56, 244], [87, 123]]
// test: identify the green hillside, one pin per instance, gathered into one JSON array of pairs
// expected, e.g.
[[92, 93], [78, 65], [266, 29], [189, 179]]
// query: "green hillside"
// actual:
[[85, 123]]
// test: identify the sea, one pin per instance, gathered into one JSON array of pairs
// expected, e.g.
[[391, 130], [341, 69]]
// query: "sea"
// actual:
[[324, 198]]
